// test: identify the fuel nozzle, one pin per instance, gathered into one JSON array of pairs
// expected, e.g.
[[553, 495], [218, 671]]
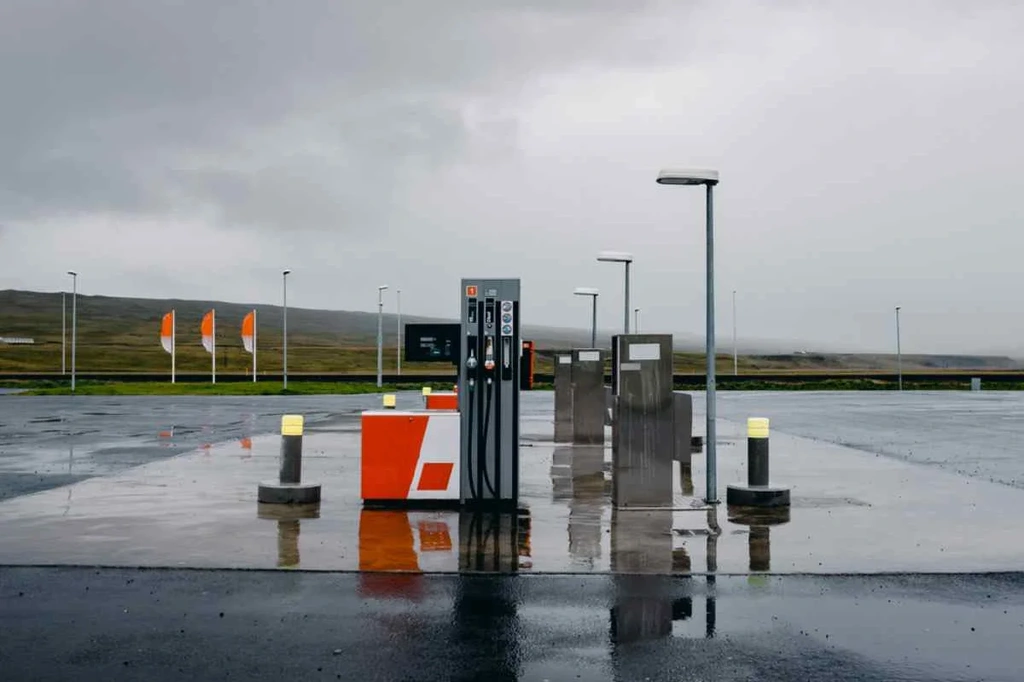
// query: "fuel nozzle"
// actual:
[[489, 354]]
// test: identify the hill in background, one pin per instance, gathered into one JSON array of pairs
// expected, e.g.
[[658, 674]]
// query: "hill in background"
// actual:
[[123, 334]]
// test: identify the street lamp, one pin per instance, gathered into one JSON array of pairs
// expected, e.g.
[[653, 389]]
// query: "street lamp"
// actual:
[[636, 320], [63, 333], [284, 330], [735, 354], [899, 353], [74, 324], [626, 258], [399, 344], [592, 292], [380, 334], [708, 178]]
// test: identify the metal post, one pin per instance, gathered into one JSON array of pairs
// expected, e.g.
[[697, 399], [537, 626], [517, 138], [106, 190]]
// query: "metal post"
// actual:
[[712, 460], [636, 320], [63, 333], [735, 355], [593, 321], [74, 326], [625, 320], [399, 348], [284, 350], [380, 337], [899, 353]]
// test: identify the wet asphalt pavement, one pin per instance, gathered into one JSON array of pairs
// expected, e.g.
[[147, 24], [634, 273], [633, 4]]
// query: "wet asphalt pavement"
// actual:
[[51, 441], [129, 624], [85, 624], [974, 434]]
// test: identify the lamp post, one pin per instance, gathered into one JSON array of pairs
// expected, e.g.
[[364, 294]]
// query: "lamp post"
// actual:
[[735, 354], [708, 178], [592, 292], [380, 334], [636, 320], [63, 333], [74, 325], [284, 330], [627, 259], [899, 353], [399, 344]]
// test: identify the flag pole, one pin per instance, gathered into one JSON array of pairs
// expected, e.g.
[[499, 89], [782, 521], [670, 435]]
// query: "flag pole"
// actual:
[[254, 345], [174, 342], [213, 343]]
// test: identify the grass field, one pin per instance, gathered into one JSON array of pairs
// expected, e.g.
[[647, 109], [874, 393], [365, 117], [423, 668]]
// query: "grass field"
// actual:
[[227, 389]]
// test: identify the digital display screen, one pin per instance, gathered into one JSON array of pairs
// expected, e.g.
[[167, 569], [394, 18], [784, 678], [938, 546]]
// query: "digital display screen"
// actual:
[[432, 342]]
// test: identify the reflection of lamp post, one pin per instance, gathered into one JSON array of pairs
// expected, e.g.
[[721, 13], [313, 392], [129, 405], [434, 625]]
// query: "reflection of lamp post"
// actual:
[[590, 291], [626, 259], [708, 178]]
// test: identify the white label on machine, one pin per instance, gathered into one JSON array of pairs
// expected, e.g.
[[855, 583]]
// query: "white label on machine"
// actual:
[[565, 359], [629, 367], [645, 351], [589, 356]]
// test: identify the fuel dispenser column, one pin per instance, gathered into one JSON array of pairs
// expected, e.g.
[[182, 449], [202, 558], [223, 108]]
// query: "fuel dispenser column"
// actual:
[[489, 380]]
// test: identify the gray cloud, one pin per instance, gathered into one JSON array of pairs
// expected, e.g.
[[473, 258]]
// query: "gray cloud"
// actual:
[[870, 155]]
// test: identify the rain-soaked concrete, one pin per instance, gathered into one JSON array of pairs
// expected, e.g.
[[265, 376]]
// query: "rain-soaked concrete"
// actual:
[[567, 589], [853, 512]]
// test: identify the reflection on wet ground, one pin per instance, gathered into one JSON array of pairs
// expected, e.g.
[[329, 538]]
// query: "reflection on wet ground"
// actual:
[[121, 624], [199, 509]]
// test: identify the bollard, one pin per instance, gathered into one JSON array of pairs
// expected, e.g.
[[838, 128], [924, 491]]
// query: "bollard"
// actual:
[[390, 399], [291, 448], [425, 392], [757, 451], [289, 488], [758, 492]]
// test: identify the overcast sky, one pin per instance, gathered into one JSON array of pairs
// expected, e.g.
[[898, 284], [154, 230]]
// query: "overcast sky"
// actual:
[[870, 155]]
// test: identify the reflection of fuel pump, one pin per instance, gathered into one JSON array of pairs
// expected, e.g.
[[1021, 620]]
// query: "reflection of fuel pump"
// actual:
[[489, 378]]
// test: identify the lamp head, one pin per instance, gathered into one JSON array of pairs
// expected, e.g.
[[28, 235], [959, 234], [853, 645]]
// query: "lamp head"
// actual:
[[687, 176], [615, 257]]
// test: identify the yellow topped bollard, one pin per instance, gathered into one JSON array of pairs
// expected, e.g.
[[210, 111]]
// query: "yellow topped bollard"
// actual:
[[426, 391], [758, 492], [289, 488], [389, 401]]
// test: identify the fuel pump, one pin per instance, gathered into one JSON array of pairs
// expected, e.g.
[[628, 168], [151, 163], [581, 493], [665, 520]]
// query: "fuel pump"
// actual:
[[489, 379]]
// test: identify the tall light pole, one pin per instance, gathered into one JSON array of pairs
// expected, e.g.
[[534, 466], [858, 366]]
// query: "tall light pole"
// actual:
[[636, 320], [399, 345], [380, 334], [63, 333], [74, 324], [899, 352], [627, 259], [735, 354], [708, 178], [592, 292], [284, 329]]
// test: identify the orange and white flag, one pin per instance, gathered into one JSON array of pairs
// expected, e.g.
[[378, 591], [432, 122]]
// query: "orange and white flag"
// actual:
[[249, 332], [207, 329], [167, 332]]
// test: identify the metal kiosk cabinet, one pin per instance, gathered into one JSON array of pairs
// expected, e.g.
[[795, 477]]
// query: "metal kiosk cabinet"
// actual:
[[644, 433]]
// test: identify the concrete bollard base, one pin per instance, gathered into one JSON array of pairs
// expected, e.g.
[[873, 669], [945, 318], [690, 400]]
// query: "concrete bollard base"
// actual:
[[757, 496], [288, 493]]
